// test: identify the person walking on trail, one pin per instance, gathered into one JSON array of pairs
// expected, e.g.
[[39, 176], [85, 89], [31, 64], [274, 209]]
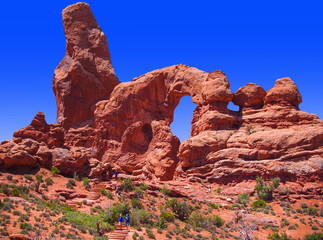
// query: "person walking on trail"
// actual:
[[116, 174], [120, 219], [127, 219]]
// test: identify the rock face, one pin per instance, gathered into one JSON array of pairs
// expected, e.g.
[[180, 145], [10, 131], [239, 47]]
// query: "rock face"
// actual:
[[85, 75], [104, 125]]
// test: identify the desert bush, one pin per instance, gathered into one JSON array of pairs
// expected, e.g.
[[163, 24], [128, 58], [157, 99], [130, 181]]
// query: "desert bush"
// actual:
[[139, 217], [55, 171], [28, 177], [167, 216], [143, 186], [207, 222], [277, 236], [108, 194], [165, 191], [304, 205], [15, 192], [86, 183], [214, 206], [127, 185], [258, 204], [9, 177], [314, 236], [136, 203], [135, 235], [243, 198], [83, 221], [182, 209], [312, 211], [150, 234], [76, 176], [49, 181], [139, 193], [284, 222], [70, 183], [264, 190], [112, 213]]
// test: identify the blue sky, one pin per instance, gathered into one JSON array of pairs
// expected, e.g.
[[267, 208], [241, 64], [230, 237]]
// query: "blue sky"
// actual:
[[251, 41]]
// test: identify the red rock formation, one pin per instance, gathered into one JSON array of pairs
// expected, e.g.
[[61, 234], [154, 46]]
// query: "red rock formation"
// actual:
[[85, 75], [103, 125]]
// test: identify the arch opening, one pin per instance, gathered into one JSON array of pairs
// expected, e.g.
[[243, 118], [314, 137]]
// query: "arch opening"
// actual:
[[183, 115]]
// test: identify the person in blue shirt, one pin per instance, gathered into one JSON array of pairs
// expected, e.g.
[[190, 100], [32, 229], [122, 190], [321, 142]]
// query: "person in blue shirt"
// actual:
[[120, 219], [127, 219], [116, 174]]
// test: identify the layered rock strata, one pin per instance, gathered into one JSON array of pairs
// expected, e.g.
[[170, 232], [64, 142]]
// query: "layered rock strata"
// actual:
[[104, 125]]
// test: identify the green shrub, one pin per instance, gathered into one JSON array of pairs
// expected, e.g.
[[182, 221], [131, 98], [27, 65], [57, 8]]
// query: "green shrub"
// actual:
[[150, 234], [15, 192], [139, 193], [49, 181], [265, 191], [277, 236], [285, 222], [304, 205], [167, 216], [218, 190], [9, 177], [214, 206], [135, 235], [143, 186], [76, 176], [243, 198], [258, 204], [111, 215], [70, 183], [86, 183], [314, 236], [312, 211], [182, 209], [315, 228], [108, 194], [55, 170], [28, 177], [139, 217], [127, 185], [83, 220], [208, 222], [165, 191], [136, 203]]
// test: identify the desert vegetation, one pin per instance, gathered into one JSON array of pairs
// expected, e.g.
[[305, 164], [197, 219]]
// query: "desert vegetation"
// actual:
[[28, 202]]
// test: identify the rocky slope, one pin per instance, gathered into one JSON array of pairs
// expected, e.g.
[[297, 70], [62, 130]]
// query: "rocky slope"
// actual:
[[104, 125]]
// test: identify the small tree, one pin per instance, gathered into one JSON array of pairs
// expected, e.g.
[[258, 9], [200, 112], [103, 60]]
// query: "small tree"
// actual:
[[55, 171], [264, 190], [39, 180]]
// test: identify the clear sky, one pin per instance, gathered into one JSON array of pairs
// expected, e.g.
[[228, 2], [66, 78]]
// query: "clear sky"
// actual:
[[250, 41]]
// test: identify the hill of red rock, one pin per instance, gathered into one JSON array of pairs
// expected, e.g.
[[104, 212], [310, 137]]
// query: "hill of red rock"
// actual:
[[104, 125]]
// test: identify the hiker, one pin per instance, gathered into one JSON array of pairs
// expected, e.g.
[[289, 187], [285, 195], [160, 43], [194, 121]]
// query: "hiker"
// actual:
[[127, 219], [116, 174], [120, 219]]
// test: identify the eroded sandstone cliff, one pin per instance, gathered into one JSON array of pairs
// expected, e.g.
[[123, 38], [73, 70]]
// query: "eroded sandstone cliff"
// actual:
[[105, 125]]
